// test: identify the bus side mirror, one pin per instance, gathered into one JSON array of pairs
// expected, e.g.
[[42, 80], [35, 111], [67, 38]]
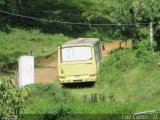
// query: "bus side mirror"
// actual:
[[103, 47]]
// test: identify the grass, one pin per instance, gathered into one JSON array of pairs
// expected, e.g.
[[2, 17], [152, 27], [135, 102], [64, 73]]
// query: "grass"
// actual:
[[133, 91], [20, 40], [136, 85]]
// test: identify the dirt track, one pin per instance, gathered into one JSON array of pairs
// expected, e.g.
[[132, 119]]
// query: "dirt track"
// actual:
[[48, 73]]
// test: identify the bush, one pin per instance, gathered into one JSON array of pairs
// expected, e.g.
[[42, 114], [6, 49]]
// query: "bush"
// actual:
[[117, 62], [57, 111], [6, 59], [144, 51], [49, 100], [112, 67], [11, 99], [121, 60], [125, 59]]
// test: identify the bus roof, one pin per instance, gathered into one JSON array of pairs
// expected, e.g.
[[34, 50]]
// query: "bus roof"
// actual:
[[81, 41]]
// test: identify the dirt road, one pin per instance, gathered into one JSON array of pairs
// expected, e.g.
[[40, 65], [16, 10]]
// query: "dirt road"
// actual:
[[48, 73]]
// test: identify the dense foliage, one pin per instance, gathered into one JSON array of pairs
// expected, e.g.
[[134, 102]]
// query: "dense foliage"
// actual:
[[12, 99], [49, 101], [123, 60], [81, 11]]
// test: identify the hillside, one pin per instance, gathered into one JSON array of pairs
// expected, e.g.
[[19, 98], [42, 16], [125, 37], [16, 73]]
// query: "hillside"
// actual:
[[123, 86], [21, 42]]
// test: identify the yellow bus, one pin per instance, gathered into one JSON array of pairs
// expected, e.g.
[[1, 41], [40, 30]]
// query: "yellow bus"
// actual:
[[78, 60]]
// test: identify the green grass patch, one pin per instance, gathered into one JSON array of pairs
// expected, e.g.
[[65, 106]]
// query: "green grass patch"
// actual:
[[21, 42]]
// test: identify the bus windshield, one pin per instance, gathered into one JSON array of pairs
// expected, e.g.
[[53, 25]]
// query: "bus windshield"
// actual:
[[70, 54]]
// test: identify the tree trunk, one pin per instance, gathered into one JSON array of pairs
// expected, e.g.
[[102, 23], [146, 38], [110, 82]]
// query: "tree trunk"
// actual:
[[19, 9]]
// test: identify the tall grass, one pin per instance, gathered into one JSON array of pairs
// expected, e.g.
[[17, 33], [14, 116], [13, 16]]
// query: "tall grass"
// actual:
[[49, 100], [131, 75], [25, 40]]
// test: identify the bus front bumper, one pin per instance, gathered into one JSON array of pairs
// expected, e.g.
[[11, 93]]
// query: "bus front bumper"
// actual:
[[77, 79]]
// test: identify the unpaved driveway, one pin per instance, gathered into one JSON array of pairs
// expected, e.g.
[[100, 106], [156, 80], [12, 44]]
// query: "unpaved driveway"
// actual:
[[46, 73]]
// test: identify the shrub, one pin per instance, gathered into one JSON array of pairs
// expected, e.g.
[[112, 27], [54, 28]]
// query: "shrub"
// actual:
[[7, 59], [11, 99], [144, 51], [121, 60], [49, 100], [117, 62], [125, 59], [57, 112]]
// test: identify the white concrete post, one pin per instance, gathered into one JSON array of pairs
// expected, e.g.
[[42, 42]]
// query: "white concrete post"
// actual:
[[25, 70], [151, 32]]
